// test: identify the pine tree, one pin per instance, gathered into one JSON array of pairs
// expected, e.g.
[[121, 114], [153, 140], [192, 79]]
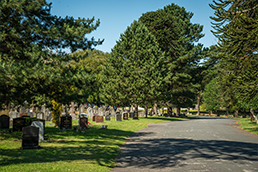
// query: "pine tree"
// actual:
[[235, 25], [133, 71], [176, 36], [33, 64]]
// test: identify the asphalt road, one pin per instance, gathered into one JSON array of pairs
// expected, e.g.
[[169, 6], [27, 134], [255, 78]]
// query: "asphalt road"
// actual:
[[207, 144]]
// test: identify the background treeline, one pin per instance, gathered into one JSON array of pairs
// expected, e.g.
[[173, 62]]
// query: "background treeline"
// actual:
[[157, 62]]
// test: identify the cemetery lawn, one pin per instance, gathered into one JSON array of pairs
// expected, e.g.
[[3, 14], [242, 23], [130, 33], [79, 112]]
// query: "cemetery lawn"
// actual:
[[94, 150], [247, 125]]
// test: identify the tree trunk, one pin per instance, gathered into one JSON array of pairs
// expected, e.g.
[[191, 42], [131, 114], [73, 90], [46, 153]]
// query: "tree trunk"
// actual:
[[227, 112], [169, 109], [136, 108], [236, 113], [177, 111], [198, 104], [162, 111], [146, 111]]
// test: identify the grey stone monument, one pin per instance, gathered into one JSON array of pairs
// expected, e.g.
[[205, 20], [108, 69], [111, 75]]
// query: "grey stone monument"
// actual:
[[40, 125]]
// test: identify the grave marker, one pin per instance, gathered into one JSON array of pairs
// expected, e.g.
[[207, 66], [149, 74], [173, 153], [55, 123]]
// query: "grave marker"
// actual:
[[30, 137], [4, 121], [18, 124], [118, 117], [83, 122], [125, 116], [99, 119], [135, 115], [24, 115], [66, 122], [108, 117], [41, 127]]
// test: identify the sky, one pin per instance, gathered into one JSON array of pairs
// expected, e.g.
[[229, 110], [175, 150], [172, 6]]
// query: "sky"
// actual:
[[116, 15]]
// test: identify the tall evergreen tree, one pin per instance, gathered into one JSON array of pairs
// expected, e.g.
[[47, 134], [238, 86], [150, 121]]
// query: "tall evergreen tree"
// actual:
[[235, 24], [92, 61], [32, 61], [176, 36], [133, 71]]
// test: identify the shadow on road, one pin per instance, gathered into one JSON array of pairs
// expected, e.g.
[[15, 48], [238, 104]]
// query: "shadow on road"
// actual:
[[161, 153]]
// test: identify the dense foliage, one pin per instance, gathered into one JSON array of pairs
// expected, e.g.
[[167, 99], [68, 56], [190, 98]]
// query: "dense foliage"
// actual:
[[235, 25], [133, 71], [33, 63], [177, 38]]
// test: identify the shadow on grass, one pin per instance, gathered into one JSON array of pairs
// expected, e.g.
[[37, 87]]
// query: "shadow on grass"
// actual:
[[162, 153], [95, 144]]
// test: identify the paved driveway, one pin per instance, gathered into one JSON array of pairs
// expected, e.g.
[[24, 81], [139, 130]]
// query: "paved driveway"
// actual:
[[207, 144]]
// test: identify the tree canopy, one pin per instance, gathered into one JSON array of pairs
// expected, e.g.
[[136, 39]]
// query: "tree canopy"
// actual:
[[235, 25], [177, 38], [33, 62], [133, 71]]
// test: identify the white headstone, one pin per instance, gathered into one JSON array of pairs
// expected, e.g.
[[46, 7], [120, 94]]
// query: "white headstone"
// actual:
[[40, 125]]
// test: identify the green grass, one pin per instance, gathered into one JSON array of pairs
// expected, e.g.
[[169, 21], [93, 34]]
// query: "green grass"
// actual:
[[94, 150], [247, 125]]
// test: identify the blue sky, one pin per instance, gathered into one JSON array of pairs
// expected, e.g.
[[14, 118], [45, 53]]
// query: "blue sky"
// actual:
[[116, 15]]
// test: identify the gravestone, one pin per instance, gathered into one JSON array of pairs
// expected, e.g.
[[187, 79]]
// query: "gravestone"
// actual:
[[118, 117], [4, 121], [131, 114], [41, 120], [112, 111], [99, 119], [22, 109], [135, 115], [81, 108], [108, 117], [18, 124], [83, 122], [125, 116], [13, 112], [66, 122], [81, 116], [63, 110], [94, 117], [23, 115], [30, 137], [90, 112], [72, 110], [40, 115], [41, 127], [95, 110]]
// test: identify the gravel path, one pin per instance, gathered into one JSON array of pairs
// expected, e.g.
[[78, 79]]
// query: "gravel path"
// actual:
[[207, 144]]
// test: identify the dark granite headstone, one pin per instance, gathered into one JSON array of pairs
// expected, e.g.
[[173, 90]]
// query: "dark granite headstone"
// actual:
[[18, 124], [30, 137], [125, 116], [135, 115], [108, 117], [66, 122], [4, 121], [83, 122], [99, 119], [118, 117]]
